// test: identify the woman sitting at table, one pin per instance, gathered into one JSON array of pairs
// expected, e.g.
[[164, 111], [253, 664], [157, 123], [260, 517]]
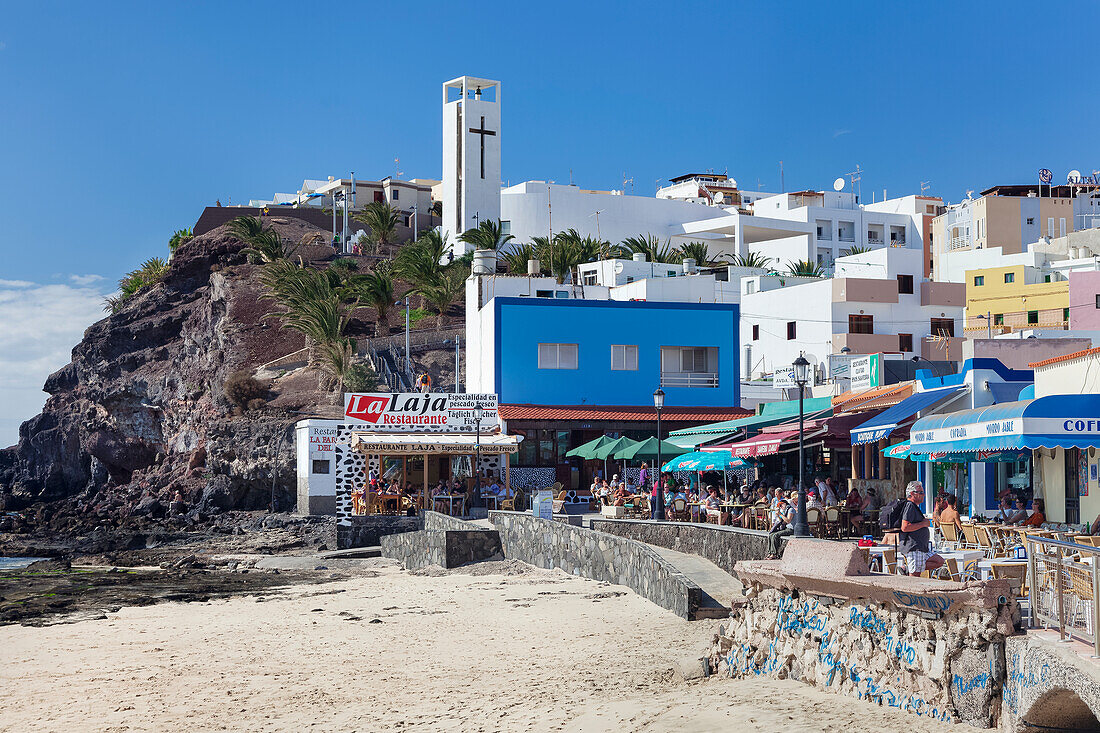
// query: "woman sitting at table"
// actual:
[[1038, 515], [713, 505], [1019, 515], [1004, 510]]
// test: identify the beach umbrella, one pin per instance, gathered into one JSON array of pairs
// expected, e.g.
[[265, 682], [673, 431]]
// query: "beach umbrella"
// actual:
[[606, 450], [900, 450], [705, 461], [588, 450], [646, 450]]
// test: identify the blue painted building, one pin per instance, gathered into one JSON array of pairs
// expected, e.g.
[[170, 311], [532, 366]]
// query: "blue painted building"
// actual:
[[609, 352], [567, 369]]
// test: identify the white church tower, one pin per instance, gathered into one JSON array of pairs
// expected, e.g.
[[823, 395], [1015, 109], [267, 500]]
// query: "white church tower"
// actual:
[[471, 156]]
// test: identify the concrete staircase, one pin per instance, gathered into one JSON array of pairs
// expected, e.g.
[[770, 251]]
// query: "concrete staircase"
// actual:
[[719, 587]]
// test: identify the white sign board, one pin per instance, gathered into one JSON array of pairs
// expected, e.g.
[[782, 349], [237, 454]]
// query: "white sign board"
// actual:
[[542, 506], [783, 378], [410, 412], [866, 371]]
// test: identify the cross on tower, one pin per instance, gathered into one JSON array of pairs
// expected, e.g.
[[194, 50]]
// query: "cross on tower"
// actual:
[[482, 132]]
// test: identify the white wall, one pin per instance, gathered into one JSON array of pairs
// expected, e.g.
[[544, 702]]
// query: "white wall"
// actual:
[[525, 207]]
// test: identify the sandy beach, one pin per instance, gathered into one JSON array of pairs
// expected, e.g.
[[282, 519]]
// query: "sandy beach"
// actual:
[[501, 647]]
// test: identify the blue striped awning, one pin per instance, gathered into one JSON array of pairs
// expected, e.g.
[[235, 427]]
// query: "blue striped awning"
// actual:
[[1055, 421], [888, 420]]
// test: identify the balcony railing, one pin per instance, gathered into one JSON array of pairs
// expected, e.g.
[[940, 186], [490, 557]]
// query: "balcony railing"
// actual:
[[846, 237], [871, 239], [958, 243], [1063, 588], [689, 379]]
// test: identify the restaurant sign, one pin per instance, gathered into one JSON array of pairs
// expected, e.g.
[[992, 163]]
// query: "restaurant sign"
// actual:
[[411, 412], [866, 371], [1052, 426]]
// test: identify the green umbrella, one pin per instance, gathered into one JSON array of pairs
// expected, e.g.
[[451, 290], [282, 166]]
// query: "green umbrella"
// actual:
[[646, 450], [588, 450], [616, 445]]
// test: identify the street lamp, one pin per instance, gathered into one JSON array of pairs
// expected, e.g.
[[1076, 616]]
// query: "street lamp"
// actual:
[[408, 363], [917, 359], [801, 377], [479, 413], [659, 500]]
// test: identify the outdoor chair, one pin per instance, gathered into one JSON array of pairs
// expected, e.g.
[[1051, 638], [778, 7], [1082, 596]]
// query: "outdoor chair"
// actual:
[[970, 538], [1081, 580], [890, 561], [680, 511], [950, 534], [985, 541], [813, 518], [832, 522]]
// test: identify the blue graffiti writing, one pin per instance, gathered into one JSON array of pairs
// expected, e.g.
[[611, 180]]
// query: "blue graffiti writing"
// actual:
[[929, 603], [800, 618], [963, 686], [1018, 680]]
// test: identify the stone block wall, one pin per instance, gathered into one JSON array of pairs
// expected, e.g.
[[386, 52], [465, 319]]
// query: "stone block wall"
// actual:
[[368, 531], [436, 520], [599, 556], [447, 548], [723, 546], [947, 668], [1047, 687]]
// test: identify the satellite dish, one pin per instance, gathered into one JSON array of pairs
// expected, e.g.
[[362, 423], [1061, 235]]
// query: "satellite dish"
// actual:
[[838, 185], [618, 268], [732, 182], [1073, 176], [719, 198]]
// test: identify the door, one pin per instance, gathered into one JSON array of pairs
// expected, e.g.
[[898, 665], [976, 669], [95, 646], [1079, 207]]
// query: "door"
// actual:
[[1073, 477]]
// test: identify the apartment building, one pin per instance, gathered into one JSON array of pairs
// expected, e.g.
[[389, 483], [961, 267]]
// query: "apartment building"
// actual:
[[1047, 293], [878, 301]]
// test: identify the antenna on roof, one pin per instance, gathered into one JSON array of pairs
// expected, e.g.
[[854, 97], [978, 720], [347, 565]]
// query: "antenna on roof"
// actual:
[[924, 186], [856, 176], [396, 168]]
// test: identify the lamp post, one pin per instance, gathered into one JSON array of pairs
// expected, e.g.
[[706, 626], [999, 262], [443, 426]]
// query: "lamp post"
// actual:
[[918, 359], [801, 376], [479, 413], [659, 500]]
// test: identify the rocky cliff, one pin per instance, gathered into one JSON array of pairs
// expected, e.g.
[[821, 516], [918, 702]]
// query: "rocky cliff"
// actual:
[[141, 411]]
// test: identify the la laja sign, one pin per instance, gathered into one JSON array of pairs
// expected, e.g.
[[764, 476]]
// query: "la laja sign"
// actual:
[[412, 412]]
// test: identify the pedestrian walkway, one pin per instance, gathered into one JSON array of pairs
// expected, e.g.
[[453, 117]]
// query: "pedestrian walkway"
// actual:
[[719, 587]]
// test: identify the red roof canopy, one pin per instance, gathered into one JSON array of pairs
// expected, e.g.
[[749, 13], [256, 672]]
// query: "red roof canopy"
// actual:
[[764, 444], [619, 413]]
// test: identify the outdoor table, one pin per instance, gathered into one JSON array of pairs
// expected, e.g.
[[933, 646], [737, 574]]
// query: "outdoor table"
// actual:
[[966, 559], [450, 499], [491, 497], [383, 498], [985, 567]]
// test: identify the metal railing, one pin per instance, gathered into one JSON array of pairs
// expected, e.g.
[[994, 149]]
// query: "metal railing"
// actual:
[[689, 379], [1064, 591], [958, 243]]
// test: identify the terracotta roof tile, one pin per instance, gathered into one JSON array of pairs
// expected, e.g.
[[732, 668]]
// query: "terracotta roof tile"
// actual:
[[620, 413], [1067, 357]]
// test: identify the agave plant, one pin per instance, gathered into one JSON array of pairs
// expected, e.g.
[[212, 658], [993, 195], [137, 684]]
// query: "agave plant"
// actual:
[[381, 219], [489, 234], [805, 268]]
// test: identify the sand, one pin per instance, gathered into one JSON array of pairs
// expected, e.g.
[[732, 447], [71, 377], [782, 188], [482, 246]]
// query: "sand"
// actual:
[[510, 648]]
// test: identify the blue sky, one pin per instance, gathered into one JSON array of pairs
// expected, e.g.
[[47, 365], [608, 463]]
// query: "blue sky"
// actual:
[[120, 121]]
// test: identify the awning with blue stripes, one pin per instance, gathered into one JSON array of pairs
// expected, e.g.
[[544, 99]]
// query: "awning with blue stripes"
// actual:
[[1055, 421], [888, 420]]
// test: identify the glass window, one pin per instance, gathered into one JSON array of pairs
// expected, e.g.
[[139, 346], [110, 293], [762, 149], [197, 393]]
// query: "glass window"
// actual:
[[624, 358], [942, 326], [544, 293], [321, 466], [396, 194], [1010, 277], [979, 280], [547, 456], [905, 342], [905, 284], [1032, 317], [557, 356], [562, 443], [756, 329], [792, 330], [998, 319], [861, 324]]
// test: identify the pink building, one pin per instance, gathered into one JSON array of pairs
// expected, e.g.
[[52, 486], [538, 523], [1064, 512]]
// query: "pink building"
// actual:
[[1084, 300]]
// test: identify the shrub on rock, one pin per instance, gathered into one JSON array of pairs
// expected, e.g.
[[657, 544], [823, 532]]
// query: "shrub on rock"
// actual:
[[241, 388]]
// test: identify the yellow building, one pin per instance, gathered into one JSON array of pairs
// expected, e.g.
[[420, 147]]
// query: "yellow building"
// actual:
[[1015, 298]]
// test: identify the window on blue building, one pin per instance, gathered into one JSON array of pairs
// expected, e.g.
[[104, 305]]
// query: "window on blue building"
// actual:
[[557, 356], [624, 358]]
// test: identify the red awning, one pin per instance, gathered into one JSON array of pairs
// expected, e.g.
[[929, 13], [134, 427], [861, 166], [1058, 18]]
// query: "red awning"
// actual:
[[764, 444]]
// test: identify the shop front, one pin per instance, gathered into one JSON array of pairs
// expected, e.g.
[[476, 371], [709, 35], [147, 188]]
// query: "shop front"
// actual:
[[1031, 449]]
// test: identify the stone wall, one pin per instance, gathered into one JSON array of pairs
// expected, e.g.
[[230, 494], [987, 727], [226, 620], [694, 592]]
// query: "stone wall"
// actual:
[[436, 520], [929, 647], [723, 546], [366, 531], [447, 548], [1048, 687], [599, 556]]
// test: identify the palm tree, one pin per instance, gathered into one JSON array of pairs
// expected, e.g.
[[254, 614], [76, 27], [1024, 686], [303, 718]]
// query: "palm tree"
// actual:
[[696, 251], [151, 272], [856, 249], [516, 257], [440, 295], [335, 360], [651, 247], [245, 228], [267, 247], [419, 262], [180, 237], [489, 234], [805, 268], [752, 259], [376, 289], [381, 219]]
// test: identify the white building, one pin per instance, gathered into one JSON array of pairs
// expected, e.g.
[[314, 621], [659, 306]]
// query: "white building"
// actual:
[[712, 189], [877, 301], [471, 155]]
